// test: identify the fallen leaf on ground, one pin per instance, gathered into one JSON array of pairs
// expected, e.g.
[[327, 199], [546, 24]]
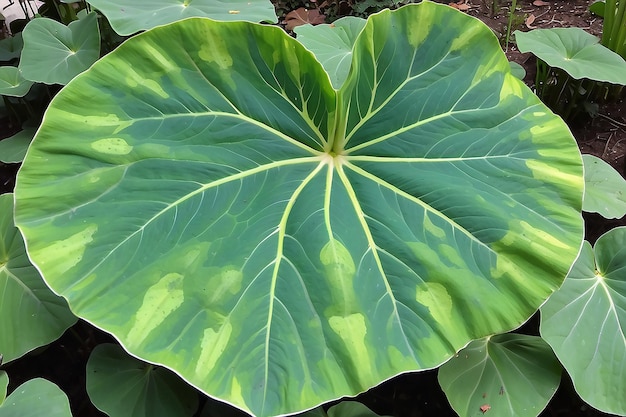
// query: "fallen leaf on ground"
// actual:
[[529, 21], [462, 6], [303, 16]]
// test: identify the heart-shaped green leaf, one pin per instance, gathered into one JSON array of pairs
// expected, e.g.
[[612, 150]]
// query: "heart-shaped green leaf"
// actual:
[[343, 409], [332, 45], [13, 149], [575, 51], [510, 374], [605, 189], [11, 47], [279, 243], [517, 70], [585, 323], [597, 7], [30, 314], [350, 409], [123, 386], [36, 398], [13, 83], [128, 17], [54, 53]]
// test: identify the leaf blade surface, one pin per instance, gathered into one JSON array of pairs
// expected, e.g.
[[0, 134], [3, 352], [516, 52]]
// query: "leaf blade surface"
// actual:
[[257, 214]]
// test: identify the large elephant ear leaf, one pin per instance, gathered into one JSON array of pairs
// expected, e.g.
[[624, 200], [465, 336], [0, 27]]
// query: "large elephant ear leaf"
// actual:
[[279, 243], [585, 323], [130, 17]]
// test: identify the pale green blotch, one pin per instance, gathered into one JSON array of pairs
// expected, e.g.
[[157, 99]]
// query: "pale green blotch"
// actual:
[[211, 348], [112, 146], [416, 34], [451, 254], [223, 281], [548, 173], [159, 302], [339, 271], [215, 51], [59, 257], [468, 37], [134, 79], [352, 330], [537, 240], [397, 359], [436, 298], [488, 68], [424, 253], [108, 120], [236, 395], [431, 228], [161, 59], [511, 87]]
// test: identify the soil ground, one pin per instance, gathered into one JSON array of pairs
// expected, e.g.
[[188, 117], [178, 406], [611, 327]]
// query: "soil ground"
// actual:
[[410, 395]]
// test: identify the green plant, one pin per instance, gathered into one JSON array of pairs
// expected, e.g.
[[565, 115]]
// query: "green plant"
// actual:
[[605, 189], [510, 374], [614, 25], [30, 314], [236, 210], [34, 398], [68, 38], [584, 322], [570, 62]]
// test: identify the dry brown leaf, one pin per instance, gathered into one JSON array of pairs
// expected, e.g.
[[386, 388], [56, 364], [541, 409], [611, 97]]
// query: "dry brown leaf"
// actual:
[[462, 6], [303, 16], [540, 3], [529, 21]]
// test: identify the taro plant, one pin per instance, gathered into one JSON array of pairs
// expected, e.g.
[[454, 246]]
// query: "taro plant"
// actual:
[[30, 314], [570, 63], [280, 238], [33, 398], [584, 322]]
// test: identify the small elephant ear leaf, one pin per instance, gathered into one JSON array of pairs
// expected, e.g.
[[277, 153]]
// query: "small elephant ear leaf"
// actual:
[[351, 409], [129, 17], [280, 243], [13, 149], [123, 386], [54, 53], [13, 83], [30, 314], [514, 375], [585, 323], [576, 51], [332, 45], [605, 189], [35, 398]]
